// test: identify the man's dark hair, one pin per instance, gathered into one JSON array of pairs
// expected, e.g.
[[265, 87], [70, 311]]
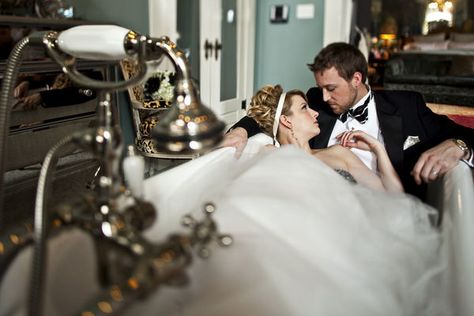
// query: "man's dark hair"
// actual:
[[346, 58]]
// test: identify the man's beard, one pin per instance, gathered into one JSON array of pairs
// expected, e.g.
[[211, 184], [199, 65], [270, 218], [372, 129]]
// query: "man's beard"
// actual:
[[354, 100]]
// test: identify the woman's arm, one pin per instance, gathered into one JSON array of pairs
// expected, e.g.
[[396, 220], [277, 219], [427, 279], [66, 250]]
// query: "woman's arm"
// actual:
[[361, 140]]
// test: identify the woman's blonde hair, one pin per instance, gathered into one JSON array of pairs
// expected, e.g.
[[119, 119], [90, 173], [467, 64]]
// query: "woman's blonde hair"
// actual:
[[264, 103]]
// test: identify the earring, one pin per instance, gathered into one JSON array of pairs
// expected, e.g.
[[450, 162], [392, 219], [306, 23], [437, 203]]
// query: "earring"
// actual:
[[293, 135]]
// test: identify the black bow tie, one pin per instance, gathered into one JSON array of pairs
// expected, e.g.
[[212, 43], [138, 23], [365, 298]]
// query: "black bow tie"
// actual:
[[360, 113]]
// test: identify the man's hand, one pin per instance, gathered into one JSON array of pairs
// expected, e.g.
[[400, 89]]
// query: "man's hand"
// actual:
[[435, 162], [235, 138], [21, 90], [29, 103]]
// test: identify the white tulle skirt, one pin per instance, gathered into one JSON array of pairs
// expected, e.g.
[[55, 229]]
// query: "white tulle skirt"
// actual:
[[306, 242]]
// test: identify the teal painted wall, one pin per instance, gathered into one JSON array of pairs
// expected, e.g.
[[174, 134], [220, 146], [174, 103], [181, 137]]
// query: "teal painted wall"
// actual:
[[129, 14], [126, 13], [283, 50]]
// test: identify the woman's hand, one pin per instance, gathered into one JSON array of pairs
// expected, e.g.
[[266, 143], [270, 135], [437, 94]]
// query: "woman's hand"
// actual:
[[359, 140]]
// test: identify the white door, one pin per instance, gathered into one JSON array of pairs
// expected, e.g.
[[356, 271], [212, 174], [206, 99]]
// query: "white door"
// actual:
[[218, 36], [220, 57]]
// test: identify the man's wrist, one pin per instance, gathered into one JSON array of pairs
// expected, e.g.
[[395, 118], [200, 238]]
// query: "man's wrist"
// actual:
[[464, 148], [468, 155]]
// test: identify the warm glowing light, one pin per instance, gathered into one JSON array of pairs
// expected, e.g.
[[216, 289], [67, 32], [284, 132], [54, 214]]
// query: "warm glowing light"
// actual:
[[14, 239], [133, 283], [388, 36], [438, 11], [105, 307], [116, 294]]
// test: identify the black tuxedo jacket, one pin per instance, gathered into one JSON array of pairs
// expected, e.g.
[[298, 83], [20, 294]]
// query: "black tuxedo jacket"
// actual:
[[401, 114]]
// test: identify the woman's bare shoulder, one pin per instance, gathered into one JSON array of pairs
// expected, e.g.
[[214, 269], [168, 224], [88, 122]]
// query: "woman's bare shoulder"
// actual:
[[335, 156], [336, 150], [342, 154]]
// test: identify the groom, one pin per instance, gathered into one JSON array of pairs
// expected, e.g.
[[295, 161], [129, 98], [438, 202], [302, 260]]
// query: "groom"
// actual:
[[422, 145]]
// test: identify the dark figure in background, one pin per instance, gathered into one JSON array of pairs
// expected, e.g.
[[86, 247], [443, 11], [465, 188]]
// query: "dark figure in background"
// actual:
[[421, 144], [62, 92], [6, 42]]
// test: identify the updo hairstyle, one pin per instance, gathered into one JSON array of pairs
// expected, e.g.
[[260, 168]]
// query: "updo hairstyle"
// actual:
[[264, 103]]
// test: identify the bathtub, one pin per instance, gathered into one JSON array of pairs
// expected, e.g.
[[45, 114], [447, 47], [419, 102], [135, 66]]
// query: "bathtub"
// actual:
[[71, 262]]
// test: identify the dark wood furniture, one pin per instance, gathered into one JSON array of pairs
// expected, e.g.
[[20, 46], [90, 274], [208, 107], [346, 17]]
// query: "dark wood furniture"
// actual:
[[443, 76]]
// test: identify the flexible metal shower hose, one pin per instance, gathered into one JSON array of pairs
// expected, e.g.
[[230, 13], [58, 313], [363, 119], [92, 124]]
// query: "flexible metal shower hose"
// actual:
[[40, 223], [6, 100]]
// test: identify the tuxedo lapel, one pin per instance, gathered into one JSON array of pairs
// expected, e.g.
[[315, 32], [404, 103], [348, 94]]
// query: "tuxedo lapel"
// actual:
[[391, 126]]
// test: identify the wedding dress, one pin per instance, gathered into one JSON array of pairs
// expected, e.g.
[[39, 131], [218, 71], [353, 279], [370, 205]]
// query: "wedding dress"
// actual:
[[306, 242]]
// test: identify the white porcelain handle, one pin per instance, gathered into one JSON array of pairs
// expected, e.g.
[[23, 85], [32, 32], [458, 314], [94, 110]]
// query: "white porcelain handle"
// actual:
[[96, 42]]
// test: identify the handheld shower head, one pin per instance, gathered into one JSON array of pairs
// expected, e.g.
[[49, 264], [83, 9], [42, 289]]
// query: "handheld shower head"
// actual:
[[189, 126], [96, 42]]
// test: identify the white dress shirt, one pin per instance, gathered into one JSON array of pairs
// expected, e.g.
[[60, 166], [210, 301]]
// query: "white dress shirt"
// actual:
[[371, 127]]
